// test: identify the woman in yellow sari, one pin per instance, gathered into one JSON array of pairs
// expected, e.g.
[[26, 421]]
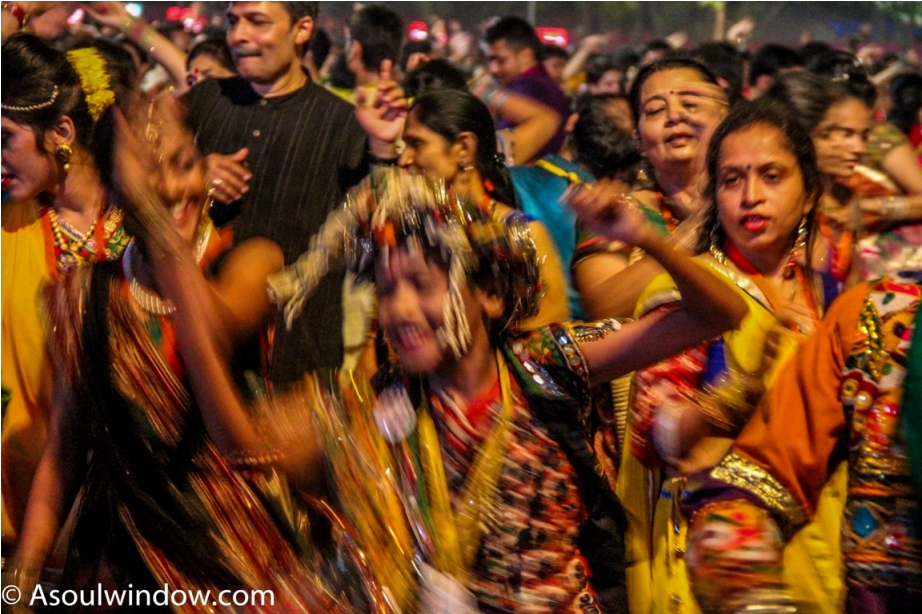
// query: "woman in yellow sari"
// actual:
[[57, 216], [763, 188]]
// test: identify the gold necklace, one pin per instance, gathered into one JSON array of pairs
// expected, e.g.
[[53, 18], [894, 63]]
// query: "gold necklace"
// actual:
[[69, 257]]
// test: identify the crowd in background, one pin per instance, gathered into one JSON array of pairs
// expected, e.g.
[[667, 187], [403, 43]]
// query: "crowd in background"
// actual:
[[457, 322]]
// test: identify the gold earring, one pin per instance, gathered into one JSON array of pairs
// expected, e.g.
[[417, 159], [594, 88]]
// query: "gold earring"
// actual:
[[466, 166], [63, 152]]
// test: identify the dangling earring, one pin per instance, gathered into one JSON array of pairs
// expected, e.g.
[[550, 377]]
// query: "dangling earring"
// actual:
[[798, 252], [455, 332], [466, 166], [800, 243], [714, 247], [63, 152]]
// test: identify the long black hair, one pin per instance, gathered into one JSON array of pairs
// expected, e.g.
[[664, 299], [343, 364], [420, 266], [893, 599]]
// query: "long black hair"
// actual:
[[31, 70], [809, 96], [448, 113]]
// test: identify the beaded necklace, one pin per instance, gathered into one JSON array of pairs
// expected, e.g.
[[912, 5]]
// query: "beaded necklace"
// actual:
[[149, 301], [65, 253]]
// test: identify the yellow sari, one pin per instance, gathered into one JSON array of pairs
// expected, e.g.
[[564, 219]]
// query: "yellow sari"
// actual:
[[655, 540], [26, 365]]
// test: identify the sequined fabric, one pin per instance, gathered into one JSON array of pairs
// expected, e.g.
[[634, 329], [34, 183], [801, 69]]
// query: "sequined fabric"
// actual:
[[529, 559], [158, 497], [881, 533]]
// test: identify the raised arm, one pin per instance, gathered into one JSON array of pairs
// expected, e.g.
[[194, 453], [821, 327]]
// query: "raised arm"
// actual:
[[534, 124], [610, 286], [160, 48], [208, 317], [707, 308]]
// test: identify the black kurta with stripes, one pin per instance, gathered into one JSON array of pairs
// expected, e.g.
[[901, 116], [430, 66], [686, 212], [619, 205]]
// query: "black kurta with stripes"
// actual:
[[306, 151]]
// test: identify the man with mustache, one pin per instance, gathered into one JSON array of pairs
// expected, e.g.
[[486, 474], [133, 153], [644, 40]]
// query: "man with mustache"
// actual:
[[281, 153]]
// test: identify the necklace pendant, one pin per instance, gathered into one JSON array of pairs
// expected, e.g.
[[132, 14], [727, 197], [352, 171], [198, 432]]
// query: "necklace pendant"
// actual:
[[67, 261]]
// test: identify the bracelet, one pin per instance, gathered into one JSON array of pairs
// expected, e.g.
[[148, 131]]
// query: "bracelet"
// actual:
[[245, 459], [24, 576], [142, 32], [133, 27], [145, 41], [728, 402], [893, 207], [667, 436]]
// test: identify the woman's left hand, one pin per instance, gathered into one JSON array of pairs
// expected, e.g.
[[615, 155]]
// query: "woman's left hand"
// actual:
[[608, 210]]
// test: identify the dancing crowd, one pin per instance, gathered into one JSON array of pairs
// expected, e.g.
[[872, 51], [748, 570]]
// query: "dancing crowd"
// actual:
[[456, 326]]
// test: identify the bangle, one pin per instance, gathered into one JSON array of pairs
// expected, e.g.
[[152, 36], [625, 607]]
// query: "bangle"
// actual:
[[893, 207], [16, 11], [133, 27], [23, 575], [244, 459], [145, 41], [141, 32]]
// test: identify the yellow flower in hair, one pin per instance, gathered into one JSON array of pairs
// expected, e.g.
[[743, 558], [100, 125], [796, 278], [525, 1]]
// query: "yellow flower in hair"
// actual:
[[94, 79]]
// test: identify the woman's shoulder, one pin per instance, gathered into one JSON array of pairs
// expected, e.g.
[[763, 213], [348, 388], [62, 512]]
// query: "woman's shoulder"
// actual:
[[256, 255]]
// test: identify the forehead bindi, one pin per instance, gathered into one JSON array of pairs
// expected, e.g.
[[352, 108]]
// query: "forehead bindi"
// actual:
[[667, 82], [756, 147]]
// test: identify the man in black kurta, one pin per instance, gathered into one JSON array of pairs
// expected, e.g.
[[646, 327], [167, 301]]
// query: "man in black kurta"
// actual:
[[303, 150]]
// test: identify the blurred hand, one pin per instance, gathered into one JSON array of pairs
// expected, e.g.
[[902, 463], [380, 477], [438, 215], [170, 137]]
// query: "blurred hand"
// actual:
[[34, 9], [112, 14], [48, 20], [382, 118], [606, 209], [677, 40], [868, 53], [710, 107], [226, 178], [685, 236], [739, 32], [416, 59], [594, 43]]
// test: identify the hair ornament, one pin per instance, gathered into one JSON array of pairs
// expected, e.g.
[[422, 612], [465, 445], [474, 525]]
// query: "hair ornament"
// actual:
[[33, 107], [394, 208], [94, 79]]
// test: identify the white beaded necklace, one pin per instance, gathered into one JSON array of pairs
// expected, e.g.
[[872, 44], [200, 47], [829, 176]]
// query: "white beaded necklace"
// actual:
[[150, 301]]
